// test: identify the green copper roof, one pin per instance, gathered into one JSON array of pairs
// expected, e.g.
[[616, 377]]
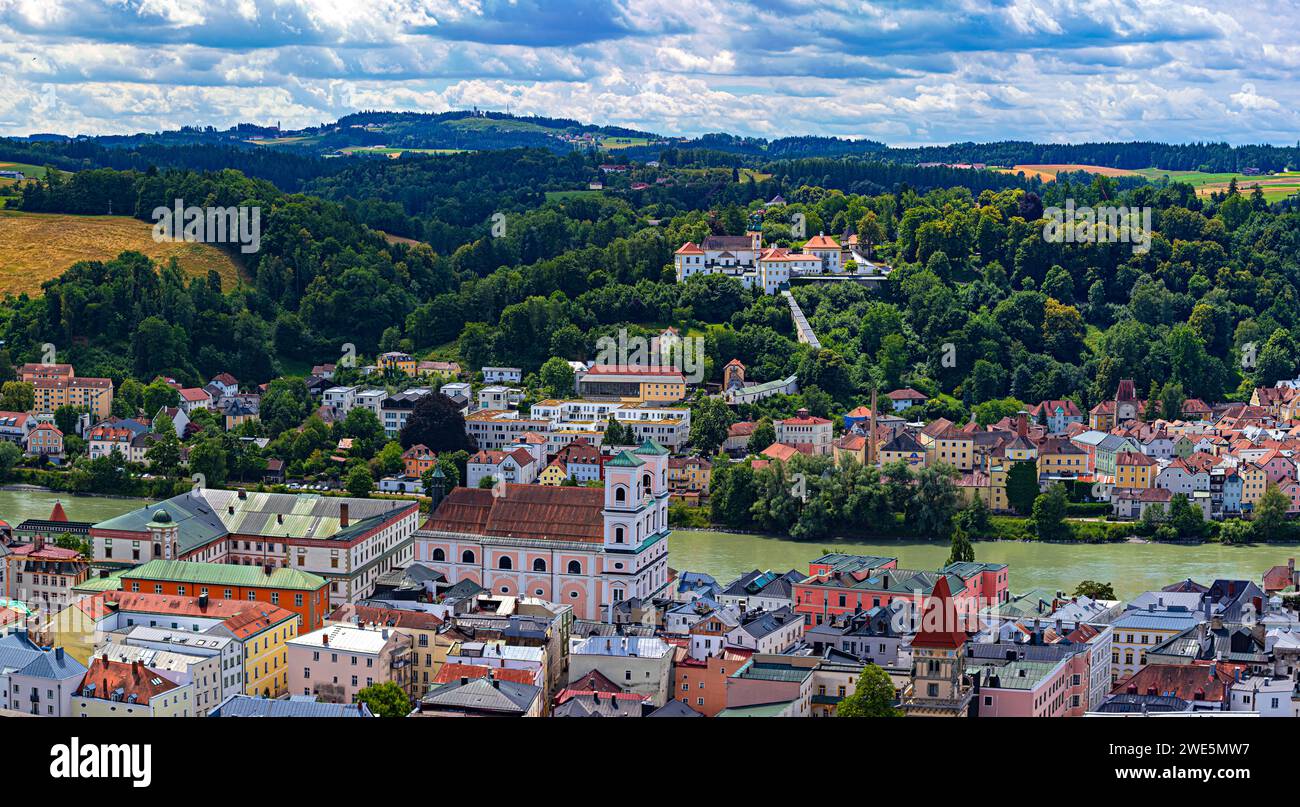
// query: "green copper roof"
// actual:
[[225, 574], [625, 460], [651, 447]]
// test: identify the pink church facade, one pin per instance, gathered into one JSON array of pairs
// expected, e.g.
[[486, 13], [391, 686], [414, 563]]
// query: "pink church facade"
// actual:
[[585, 547]]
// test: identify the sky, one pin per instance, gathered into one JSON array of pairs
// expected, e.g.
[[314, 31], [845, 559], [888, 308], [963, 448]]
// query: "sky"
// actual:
[[906, 73]]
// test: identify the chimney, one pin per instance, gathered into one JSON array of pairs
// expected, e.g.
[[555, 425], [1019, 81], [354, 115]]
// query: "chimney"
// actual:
[[343, 514], [325, 639], [1022, 423], [135, 670], [243, 494], [464, 680], [58, 653], [203, 601]]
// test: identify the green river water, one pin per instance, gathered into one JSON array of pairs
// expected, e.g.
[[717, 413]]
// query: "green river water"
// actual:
[[1131, 568]]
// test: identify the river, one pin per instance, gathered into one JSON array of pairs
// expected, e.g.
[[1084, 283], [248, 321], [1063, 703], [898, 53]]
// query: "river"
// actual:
[[17, 506], [1131, 568]]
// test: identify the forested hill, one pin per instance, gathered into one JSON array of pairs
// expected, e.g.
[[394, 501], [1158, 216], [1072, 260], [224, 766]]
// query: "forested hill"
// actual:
[[1031, 319], [480, 130]]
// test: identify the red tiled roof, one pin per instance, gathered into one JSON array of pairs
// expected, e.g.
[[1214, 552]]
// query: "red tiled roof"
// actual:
[[820, 241], [133, 679], [452, 671], [1191, 682], [388, 617], [780, 451], [524, 511], [237, 613]]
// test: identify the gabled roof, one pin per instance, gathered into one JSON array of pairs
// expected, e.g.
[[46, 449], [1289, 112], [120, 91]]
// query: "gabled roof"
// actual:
[[525, 512]]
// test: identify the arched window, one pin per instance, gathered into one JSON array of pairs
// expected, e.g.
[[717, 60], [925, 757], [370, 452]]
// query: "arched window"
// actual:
[[618, 535], [646, 482], [467, 556], [620, 494], [575, 567], [539, 565], [439, 555], [505, 563]]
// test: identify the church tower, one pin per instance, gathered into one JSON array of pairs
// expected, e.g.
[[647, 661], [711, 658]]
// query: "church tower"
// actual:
[[164, 534], [939, 686]]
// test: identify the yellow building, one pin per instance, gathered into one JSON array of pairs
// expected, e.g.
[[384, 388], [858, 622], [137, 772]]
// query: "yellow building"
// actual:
[[1134, 470], [94, 395], [265, 638], [553, 474], [991, 486], [950, 446], [650, 384], [904, 447], [853, 446], [398, 361], [1060, 457], [689, 474], [1254, 481]]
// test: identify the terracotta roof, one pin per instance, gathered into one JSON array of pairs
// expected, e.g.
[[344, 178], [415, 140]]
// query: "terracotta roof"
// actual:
[[452, 671], [388, 617], [743, 428], [780, 451], [130, 683], [243, 612], [525, 512], [1133, 458], [1191, 682], [905, 394], [820, 241]]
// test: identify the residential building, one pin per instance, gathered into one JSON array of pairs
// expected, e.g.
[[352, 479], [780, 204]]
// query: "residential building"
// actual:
[[805, 430], [37, 680], [338, 661], [119, 689]]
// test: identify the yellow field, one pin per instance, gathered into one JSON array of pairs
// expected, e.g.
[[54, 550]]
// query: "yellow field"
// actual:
[[35, 247], [1048, 172]]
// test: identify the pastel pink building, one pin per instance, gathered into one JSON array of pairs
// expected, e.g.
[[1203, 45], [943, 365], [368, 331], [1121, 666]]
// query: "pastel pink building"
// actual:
[[584, 547], [1030, 688], [338, 661]]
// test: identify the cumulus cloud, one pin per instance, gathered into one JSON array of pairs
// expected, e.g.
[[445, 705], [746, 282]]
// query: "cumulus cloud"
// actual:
[[906, 71]]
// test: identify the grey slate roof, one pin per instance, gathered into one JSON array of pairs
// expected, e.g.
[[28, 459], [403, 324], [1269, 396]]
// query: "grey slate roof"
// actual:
[[482, 695], [248, 706]]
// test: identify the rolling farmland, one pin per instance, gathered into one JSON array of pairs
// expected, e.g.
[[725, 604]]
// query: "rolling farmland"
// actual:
[[35, 247]]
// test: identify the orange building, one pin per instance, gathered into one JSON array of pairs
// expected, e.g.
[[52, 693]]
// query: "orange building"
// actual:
[[302, 593], [701, 683], [418, 459]]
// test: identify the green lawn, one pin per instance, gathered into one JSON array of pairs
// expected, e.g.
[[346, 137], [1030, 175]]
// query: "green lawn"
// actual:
[[560, 196], [385, 150]]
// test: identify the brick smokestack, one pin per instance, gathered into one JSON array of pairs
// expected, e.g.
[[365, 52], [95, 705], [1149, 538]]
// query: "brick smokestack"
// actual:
[[343, 514]]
